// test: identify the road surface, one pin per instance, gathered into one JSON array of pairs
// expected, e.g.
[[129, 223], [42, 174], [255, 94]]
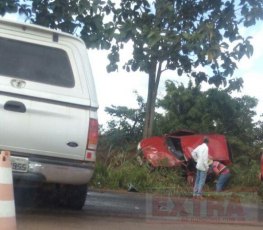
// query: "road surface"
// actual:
[[115, 210]]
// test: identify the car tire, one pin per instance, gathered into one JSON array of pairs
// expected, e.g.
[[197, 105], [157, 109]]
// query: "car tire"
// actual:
[[73, 196]]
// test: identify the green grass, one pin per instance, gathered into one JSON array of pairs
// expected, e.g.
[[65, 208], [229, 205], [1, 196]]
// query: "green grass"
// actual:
[[122, 170]]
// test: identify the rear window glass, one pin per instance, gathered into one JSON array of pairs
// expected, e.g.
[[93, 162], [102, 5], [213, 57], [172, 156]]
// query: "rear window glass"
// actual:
[[36, 63]]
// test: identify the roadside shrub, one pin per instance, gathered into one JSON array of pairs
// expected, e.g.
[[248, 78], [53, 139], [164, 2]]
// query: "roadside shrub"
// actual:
[[245, 175], [118, 169], [123, 171], [100, 176], [260, 191]]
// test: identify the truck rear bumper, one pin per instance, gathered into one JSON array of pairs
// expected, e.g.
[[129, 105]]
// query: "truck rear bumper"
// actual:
[[54, 170]]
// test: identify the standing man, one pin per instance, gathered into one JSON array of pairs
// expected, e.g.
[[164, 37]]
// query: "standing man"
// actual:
[[200, 156]]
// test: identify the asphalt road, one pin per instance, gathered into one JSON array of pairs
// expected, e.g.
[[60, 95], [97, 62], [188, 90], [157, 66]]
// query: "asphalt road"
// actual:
[[123, 210]]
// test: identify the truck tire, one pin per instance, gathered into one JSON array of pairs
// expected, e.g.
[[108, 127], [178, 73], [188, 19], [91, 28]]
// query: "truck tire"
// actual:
[[73, 196]]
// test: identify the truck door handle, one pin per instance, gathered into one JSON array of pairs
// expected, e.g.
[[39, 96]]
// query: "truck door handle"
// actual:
[[15, 106]]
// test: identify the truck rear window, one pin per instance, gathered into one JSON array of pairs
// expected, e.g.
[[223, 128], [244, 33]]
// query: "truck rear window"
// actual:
[[36, 63]]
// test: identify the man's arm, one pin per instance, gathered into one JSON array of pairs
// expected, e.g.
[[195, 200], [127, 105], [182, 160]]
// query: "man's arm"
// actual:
[[206, 159], [194, 154]]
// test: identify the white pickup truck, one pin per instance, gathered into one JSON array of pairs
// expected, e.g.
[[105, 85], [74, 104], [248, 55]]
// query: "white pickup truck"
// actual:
[[48, 109]]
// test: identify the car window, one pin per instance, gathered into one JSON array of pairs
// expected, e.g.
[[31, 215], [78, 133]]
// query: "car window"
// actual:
[[175, 147], [35, 63]]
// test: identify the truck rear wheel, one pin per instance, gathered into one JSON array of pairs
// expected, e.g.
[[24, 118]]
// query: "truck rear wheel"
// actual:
[[73, 196]]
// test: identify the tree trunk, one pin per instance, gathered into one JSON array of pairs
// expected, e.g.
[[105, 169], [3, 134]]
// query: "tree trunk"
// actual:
[[153, 83], [150, 108]]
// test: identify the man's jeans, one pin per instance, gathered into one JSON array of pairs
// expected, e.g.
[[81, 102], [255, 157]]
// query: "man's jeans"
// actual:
[[222, 181], [199, 182]]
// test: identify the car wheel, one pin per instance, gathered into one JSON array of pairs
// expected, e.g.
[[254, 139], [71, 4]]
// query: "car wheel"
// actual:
[[73, 196]]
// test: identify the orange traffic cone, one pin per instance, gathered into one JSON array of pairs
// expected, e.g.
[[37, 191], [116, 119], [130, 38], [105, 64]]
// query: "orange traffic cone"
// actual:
[[7, 203]]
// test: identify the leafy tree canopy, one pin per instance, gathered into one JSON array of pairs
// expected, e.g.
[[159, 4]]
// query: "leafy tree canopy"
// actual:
[[178, 35], [211, 111], [126, 125], [183, 35], [208, 111], [82, 17]]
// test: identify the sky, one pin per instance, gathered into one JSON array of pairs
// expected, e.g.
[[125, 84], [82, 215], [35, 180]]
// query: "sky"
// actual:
[[118, 88]]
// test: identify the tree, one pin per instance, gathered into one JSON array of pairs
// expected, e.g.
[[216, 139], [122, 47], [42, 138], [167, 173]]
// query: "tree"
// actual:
[[190, 108], [8, 6], [126, 125], [183, 109], [81, 17], [166, 34], [183, 36], [124, 130], [212, 111]]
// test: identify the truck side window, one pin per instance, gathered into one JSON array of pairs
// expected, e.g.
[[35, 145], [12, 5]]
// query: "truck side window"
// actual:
[[35, 63]]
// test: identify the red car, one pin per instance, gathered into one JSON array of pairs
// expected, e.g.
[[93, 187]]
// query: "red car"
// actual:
[[174, 149]]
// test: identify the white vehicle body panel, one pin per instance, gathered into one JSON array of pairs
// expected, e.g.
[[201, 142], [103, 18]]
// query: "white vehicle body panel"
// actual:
[[41, 120]]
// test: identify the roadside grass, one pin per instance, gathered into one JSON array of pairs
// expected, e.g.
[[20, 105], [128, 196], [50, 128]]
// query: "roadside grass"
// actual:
[[121, 171]]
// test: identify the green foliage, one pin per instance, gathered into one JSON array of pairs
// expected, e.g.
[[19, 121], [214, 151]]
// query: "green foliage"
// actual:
[[185, 34], [126, 126], [245, 174], [260, 191], [8, 6], [101, 175], [166, 35], [182, 108], [258, 132], [123, 170], [81, 17], [212, 111], [182, 36]]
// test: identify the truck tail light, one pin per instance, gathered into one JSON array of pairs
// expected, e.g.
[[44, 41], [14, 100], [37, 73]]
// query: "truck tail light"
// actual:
[[93, 134]]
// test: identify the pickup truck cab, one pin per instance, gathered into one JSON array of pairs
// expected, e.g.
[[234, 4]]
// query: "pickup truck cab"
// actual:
[[48, 109]]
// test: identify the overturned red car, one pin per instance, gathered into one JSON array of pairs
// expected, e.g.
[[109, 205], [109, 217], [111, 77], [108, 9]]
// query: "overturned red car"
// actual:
[[174, 149]]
